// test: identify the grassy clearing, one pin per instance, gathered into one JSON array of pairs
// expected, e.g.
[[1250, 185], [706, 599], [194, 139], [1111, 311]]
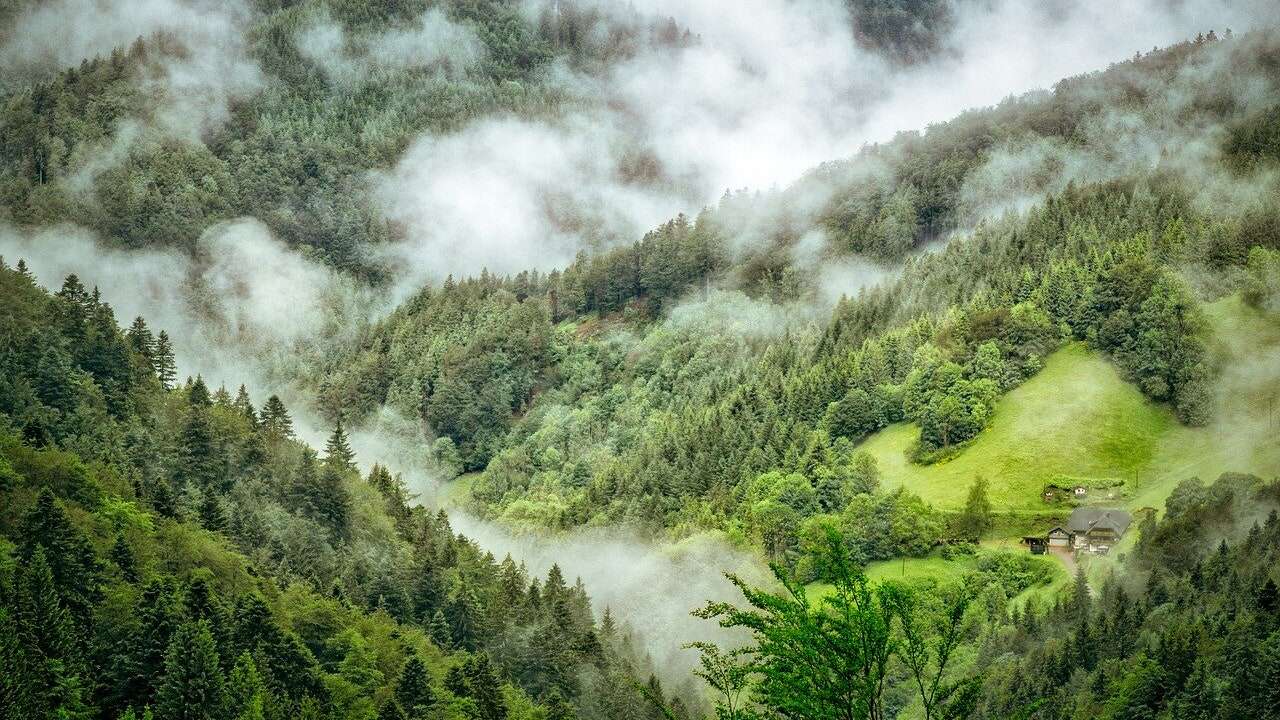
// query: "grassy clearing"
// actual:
[[932, 566], [1078, 419]]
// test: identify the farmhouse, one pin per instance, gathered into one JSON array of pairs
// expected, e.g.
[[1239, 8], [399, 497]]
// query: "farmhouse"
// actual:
[[1098, 528]]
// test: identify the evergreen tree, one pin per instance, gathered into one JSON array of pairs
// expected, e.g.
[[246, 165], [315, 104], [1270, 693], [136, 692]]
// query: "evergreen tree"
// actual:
[[198, 394], [74, 565], [123, 558], [390, 710], [244, 406], [246, 693], [276, 422], [193, 686], [141, 341], [413, 690], [162, 361], [45, 628], [199, 463], [484, 688], [337, 452]]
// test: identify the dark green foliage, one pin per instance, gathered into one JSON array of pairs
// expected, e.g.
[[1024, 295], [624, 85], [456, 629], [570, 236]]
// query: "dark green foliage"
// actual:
[[337, 452], [75, 569], [413, 689], [162, 360], [193, 686], [275, 419], [120, 601]]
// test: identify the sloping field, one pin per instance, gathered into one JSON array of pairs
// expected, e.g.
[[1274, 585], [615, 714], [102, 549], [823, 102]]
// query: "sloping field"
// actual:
[[1078, 420]]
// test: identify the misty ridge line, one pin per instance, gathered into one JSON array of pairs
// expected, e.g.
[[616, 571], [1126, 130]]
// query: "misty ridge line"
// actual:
[[270, 299], [546, 165]]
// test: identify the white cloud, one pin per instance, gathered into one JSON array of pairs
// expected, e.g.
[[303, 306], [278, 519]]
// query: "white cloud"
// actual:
[[193, 85]]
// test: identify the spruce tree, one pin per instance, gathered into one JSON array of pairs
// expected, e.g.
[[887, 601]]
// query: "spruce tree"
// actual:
[[198, 394], [198, 462], [123, 558], [413, 690], [246, 693], [245, 407], [337, 452], [390, 710], [162, 361], [76, 571], [193, 687], [142, 341], [484, 688], [45, 628], [276, 422]]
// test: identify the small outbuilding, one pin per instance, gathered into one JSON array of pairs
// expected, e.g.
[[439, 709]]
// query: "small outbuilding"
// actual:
[[1058, 537], [1035, 542]]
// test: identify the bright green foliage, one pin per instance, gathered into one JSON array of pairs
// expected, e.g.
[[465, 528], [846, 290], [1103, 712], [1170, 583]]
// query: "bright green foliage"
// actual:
[[975, 519], [832, 658]]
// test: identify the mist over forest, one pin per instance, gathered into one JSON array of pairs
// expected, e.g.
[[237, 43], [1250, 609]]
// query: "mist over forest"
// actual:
[[652, 360]]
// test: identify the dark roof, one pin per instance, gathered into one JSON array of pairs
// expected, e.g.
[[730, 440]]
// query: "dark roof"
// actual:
[[1085, 519], [1057, 529]]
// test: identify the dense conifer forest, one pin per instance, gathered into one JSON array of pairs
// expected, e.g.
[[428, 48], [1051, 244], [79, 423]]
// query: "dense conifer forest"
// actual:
[[417, 280]]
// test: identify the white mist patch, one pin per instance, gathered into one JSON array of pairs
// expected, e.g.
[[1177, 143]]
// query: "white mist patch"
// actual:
[[433, 41], [232, 312], [510, 195], [651, 586], [192, 83], [760, 96]]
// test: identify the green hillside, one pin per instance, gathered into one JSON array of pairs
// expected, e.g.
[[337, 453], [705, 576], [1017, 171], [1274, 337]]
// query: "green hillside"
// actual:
[[1078, 420]]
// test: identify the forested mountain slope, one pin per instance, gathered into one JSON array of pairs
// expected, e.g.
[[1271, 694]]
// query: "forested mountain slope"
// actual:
[[889, 357], [167, 548], [671, 385]]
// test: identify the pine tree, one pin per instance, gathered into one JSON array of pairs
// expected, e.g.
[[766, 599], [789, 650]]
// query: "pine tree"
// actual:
[[484, 688], [337, 452], [276, 422], [558, 708], [142, 341], [245, 407], [193, 686], [18, 694], [77, 573], [413, 690], [44, 626], [123, 558], [198, 394], [162, 361], [212, 515], [198, 462], [390, 710]]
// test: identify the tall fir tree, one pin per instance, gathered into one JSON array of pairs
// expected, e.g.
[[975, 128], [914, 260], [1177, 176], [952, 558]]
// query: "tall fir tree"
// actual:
[[193, 687], [142, 341], [337, 451], [162, 361], [413, 690], [276, 422]]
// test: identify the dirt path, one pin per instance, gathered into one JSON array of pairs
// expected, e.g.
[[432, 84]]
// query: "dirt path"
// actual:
[[1068, 558]]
